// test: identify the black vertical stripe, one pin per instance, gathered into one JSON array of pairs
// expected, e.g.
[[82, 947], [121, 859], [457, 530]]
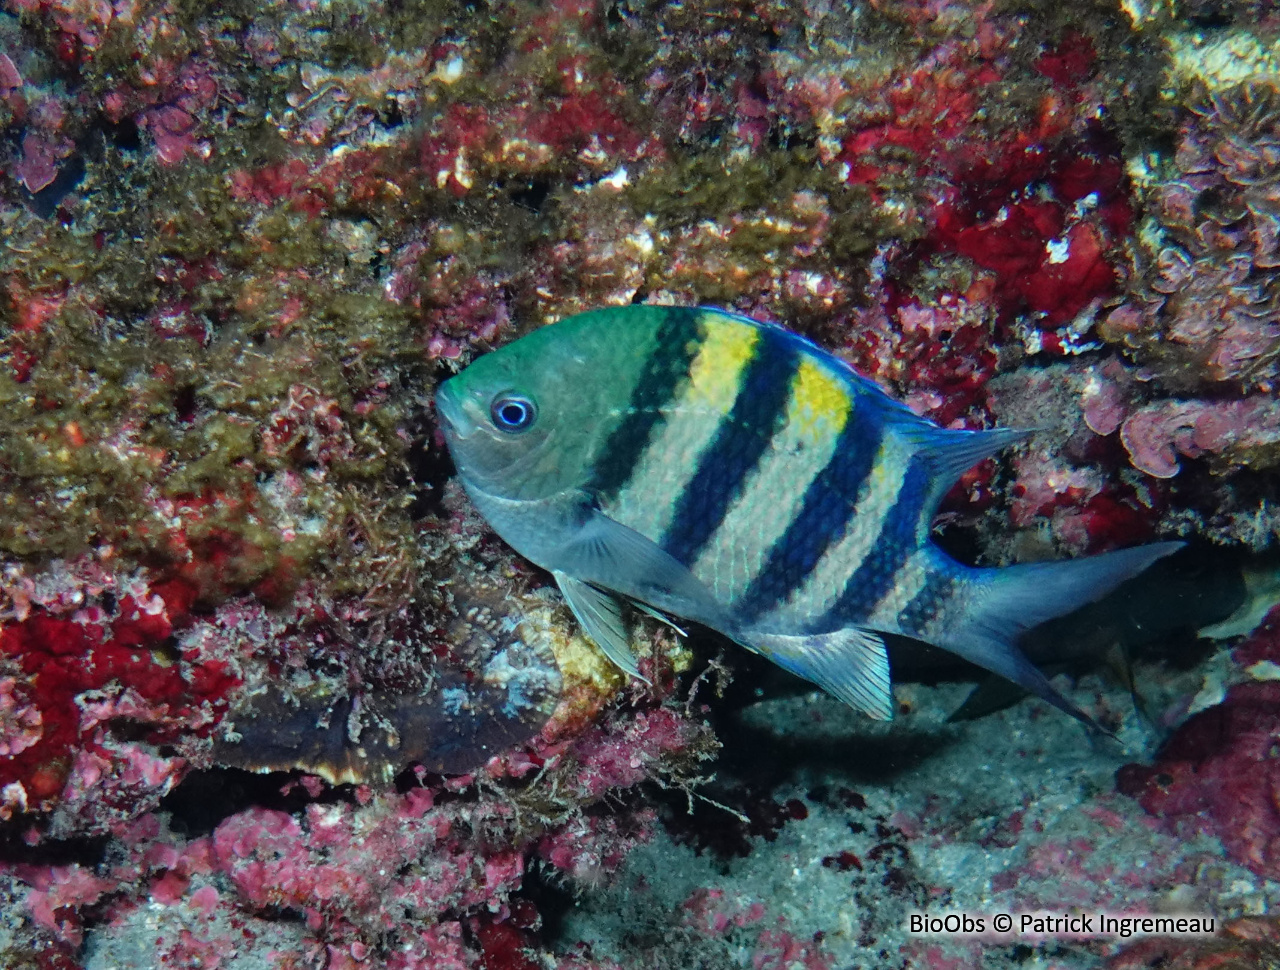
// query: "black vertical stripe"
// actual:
[[828, 505], [759, 410], [667, 369], [895, 544], [924, 607]]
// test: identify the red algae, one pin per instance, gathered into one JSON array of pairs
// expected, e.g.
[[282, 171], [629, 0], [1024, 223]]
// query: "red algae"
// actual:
[[1215, 773], [70, 666]]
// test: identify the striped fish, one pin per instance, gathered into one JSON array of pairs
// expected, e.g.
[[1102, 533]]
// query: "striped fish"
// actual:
[[707, 466]]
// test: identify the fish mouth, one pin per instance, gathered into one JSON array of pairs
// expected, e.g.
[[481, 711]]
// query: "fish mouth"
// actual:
[[450, 411]]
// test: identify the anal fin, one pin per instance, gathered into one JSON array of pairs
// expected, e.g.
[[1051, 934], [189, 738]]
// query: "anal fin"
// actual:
[[600, 614], [851, 664]]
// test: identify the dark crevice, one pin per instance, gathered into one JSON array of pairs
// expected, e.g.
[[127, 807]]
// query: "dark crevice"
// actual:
[[14, 849], [206, 798]]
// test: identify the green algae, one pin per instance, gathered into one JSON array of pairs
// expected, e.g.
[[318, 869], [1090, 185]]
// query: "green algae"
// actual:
[[286, 309], [115, 416], [710, 186], [754, 196]]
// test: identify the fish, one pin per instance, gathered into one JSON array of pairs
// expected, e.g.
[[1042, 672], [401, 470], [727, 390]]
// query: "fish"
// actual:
[[714, 468]]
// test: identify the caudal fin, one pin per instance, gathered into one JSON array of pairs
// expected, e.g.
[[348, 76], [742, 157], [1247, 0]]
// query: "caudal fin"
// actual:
[[1005, 603]]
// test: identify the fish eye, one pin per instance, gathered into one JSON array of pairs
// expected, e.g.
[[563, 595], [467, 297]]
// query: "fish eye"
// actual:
[[511, 412]]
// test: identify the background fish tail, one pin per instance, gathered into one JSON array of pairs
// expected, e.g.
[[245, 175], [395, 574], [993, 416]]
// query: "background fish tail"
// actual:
[[1002, 604]]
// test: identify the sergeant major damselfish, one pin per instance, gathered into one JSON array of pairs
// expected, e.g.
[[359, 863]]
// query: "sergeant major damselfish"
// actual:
[[711, 467]]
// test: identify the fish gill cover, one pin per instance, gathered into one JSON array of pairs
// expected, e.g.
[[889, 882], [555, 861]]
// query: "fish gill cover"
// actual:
[[241, 246]]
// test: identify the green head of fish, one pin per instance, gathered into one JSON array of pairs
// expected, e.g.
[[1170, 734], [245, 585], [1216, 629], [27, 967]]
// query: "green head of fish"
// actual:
[[526, 422]]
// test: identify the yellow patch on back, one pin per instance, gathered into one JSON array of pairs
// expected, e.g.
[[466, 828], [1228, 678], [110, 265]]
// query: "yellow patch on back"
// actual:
[[714, 376], [690, 423], [820, 401]]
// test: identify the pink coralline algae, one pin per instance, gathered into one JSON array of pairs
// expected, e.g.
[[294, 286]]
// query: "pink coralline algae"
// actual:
[[591, 849], [1243, 433], [42, 155], [168, 105], [20, 721], [417, 879], [408, 861], [713, 913], [1063, 495], [1067, 481], [940, 355], [163, 91], [1200, 319]]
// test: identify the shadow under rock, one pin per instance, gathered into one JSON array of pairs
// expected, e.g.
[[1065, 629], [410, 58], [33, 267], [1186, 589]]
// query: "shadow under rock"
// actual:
[[764, 756], [207, 798]]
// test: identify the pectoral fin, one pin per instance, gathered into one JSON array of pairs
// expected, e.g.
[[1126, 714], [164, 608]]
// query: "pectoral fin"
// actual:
[[609, 555], [661, 618], [850, 664], [600, 614]]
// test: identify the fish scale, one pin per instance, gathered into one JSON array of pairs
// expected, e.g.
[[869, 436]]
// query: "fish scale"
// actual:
[[882, 570], [845, 576], [767, 504], [688, 410], [742, 436], [826, 508], [728, 472], [671, 353], [925, 611]]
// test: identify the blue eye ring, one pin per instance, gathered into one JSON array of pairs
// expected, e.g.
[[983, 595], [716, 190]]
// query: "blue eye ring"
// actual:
[[512, 413]]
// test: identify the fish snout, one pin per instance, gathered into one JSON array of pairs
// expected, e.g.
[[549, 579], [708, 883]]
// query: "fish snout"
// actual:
[[449, 410]]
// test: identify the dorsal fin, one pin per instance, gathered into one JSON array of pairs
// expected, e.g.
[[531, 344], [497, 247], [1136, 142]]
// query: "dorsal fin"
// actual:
[[947, 454]]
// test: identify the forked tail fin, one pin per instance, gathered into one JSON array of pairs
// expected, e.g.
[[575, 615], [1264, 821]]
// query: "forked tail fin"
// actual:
[[1004, 603]]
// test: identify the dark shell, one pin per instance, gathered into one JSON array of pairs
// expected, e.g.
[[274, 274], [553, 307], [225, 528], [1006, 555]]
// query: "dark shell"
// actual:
[[499, 694]]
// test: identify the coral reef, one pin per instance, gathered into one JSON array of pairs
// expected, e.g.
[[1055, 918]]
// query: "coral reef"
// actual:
[[1215, 773], [1248, 944], [1207, 314], [268, 686]]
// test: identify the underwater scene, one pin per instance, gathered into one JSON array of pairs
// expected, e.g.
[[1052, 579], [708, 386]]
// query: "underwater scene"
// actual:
[[627, 484]]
